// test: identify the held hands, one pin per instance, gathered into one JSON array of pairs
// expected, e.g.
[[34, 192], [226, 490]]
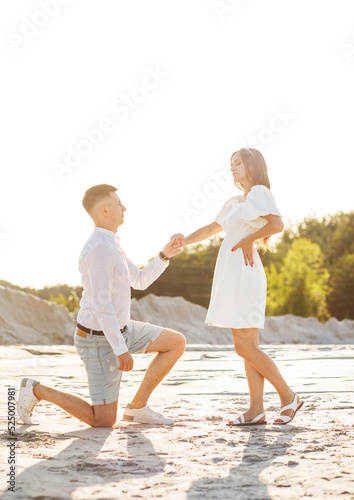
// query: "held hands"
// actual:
[[247, 249], [178, 238], [174, 246], [126, 362]]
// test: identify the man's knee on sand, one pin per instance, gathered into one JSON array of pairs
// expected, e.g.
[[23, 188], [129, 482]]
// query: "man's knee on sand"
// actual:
[[104, 415], [103, 421]]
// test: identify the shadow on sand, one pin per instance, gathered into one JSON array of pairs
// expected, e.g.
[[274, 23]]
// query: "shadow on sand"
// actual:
[[243, 481], [77, 465]]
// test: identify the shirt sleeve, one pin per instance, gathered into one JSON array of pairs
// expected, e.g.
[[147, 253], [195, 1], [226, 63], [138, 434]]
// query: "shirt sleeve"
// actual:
[[259, 202], [225, 208], [100, 264], [140, 279]]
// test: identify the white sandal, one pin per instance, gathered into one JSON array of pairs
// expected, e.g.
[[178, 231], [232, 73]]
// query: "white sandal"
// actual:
[[239, 421], [293, 406]]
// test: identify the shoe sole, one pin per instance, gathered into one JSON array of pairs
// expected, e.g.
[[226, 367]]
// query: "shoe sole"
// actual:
[[264, 422], [128, 418]]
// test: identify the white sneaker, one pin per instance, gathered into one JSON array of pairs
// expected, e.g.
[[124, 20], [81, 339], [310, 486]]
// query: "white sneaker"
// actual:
[[27, 400], [145, 415]]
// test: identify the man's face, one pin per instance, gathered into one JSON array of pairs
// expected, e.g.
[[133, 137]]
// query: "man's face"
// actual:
[[116, 209]]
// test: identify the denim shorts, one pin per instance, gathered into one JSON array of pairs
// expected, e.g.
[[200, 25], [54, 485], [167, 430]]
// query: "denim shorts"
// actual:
[[101, 364]]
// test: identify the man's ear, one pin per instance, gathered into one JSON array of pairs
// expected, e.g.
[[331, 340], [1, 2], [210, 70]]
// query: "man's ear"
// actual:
[[103, 210]]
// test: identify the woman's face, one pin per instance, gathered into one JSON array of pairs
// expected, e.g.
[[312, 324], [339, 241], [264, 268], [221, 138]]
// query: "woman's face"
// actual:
[[238, 168]]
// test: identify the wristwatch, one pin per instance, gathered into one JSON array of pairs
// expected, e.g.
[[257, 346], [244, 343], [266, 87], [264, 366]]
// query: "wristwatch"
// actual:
[[163, 257]]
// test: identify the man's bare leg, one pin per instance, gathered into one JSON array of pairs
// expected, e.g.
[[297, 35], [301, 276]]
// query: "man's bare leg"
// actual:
[[170, 346], [94, 415]]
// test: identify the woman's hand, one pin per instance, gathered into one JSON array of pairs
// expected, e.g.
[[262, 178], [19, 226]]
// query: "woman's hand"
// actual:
[[246, 246], [178, 239]]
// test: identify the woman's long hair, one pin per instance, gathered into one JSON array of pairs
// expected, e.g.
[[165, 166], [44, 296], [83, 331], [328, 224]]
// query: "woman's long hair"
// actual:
[[256, 173]]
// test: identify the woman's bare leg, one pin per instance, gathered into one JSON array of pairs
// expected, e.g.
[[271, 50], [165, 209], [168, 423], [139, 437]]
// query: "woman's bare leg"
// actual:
[[256, 385], [247, 346]]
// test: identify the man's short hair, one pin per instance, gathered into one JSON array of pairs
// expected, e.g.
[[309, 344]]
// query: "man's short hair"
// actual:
[[96, 194]]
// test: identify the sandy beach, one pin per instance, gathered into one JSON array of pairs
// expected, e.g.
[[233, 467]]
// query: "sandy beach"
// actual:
[[199, 457]]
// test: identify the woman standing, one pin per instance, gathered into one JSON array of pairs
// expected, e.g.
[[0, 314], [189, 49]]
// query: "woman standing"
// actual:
[[238, 296]]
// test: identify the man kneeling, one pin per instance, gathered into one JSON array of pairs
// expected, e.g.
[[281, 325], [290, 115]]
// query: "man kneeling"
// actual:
[[105, 336]]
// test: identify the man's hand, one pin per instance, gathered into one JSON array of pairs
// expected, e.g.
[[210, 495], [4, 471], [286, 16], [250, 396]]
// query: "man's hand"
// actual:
[[173, 247], [246, 246], [126, 362]]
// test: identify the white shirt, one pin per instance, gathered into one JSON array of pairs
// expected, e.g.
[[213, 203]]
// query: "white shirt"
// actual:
[[107, 275]]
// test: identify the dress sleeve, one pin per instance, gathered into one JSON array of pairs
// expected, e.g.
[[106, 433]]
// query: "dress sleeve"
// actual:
[[260, 201], [226, 206]]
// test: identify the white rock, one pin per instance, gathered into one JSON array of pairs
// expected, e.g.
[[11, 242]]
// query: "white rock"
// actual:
[[179, 314], [26, 319], [188, 318]]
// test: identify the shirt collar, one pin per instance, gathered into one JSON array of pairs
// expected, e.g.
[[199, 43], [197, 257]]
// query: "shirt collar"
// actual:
[[106, 231]]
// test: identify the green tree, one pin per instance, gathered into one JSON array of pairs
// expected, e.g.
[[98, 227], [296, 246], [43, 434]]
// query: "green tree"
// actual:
[[58, 299], [72, 302], [341, 299], [302, 284], [335, 236], [276, 299]]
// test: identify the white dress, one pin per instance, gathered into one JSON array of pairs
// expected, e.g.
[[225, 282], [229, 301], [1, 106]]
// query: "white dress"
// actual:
[[239, 292]]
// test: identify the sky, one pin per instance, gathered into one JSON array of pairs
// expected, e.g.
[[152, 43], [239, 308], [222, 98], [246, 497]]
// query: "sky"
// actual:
[[154, 97]]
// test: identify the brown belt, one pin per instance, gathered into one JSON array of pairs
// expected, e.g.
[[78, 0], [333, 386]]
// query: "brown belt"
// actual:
[[83, 331]]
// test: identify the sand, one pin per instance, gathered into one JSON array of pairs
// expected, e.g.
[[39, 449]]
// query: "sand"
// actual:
[[199, 457]]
